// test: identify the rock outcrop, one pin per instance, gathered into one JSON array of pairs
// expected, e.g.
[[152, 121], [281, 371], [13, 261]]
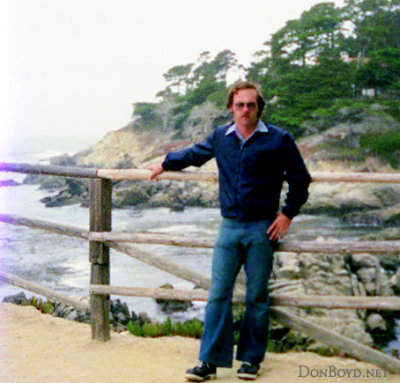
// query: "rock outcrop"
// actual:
[[131, 147], [336, 275], [7, 183]]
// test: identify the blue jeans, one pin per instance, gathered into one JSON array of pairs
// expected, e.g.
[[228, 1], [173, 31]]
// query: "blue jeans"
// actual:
[[238, 243]]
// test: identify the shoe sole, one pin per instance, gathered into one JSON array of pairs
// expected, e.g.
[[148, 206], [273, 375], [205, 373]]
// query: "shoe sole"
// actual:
[[245, 376], [196, 378]]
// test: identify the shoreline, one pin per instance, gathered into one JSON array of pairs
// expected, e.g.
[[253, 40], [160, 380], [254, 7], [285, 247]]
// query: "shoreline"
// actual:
[[41, 348]]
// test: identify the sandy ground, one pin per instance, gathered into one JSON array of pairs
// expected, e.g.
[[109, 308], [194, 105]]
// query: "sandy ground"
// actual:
[[35, 347]]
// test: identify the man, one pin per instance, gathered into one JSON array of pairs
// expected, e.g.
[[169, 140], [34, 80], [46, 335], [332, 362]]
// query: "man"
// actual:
[[253, 160]]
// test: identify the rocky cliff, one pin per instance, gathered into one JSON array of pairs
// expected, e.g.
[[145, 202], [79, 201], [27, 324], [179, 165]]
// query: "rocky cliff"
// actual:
[[336, 149]]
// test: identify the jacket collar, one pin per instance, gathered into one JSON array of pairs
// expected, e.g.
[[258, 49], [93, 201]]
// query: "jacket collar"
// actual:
[[261, 127]]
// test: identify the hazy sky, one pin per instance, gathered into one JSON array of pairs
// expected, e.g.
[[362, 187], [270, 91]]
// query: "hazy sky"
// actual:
[[75, 67]]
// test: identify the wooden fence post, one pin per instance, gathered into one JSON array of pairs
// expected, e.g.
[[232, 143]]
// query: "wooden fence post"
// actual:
[[99, 255]]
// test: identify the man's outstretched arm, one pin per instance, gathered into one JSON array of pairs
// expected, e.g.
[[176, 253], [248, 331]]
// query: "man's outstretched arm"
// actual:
[[195, 155]]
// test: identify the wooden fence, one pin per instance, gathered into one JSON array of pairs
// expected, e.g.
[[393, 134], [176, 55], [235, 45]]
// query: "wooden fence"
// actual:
[[101, 239]]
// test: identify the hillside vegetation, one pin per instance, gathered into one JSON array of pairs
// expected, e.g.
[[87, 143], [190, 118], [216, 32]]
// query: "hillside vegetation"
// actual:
[[332, 65]]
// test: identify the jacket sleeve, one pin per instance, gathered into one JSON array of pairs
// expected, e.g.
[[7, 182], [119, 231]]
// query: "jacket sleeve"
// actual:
[[297, 177], [195, 155]]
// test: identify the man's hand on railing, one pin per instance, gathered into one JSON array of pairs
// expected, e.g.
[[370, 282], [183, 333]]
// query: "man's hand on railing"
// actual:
[[155, 169]]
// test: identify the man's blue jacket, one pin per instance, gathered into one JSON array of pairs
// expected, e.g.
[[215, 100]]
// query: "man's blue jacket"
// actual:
[[251, 174]]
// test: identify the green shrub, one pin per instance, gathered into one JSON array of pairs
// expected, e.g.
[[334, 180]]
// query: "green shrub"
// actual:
[[392, 107], [135, 328], [193, 328], [167, 328], [190, 328], [178, 328], [152, 330], [46, 307], [385, 145]]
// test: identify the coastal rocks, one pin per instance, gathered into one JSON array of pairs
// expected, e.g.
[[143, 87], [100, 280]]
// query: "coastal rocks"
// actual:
[[351, 199], [169, 306], [63, 160], [337, 150], [119, 314], [49, 183], [376, 322], [58, 309], [74, 192], [63, 198], [4, 183], [379, 217], [324, 274], [63, 310], [388, 234], [287, 266], [133, 193], [17, 299], [370, 273], [184, 194], [394, 282], [338, 275], [123, 148], [52, 183], [360, 260], [176, 195], [374, 281]]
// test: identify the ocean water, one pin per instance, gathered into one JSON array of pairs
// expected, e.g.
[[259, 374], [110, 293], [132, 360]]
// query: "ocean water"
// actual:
[[35, 149], [62, 263]]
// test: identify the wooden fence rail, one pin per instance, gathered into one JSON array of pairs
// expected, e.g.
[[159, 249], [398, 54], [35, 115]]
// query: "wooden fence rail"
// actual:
[[68, 230], [142, 174], [292, 300], [292, 246], [337, 341], [65, 171], [335, 247], [34, 287]]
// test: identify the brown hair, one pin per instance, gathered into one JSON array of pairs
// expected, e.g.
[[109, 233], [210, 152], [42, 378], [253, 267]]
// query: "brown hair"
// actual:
[[246, 85]]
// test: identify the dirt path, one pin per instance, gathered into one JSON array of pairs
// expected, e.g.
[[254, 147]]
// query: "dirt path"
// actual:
[[40, 348]]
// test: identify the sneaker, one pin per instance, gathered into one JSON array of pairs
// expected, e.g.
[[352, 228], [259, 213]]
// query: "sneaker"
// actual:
[[203, 371], [248, 371]]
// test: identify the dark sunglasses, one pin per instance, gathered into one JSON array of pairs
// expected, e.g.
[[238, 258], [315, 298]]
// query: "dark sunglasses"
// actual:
[[250, 105]]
